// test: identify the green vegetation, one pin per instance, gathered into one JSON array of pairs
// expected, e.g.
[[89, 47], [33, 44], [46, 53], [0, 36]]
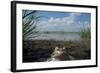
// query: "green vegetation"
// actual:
[[29, 23], [86, 36], [85, 33]]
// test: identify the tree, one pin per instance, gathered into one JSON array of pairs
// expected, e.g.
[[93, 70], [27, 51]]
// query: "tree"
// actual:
[[29, 20]]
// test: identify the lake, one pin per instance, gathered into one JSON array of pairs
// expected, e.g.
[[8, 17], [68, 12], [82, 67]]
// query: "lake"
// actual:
[[58, 36]]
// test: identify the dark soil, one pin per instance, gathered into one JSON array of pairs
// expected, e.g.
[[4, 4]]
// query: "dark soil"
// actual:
[[41, 50]]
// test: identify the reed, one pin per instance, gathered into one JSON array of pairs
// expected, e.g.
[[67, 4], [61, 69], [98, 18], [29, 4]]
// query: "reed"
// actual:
[[85, 33]]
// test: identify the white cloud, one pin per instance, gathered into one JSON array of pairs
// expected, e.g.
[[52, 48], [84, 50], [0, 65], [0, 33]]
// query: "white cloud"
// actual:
[[51, 19], [67, 23]]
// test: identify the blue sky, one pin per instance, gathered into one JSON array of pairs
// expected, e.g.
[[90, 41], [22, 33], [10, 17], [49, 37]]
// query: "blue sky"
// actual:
[[63, 21]]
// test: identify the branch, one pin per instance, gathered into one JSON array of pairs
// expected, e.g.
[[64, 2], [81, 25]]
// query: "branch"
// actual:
[[28, 14]]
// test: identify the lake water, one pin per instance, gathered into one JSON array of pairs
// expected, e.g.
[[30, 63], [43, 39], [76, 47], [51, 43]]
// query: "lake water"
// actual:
[[58, 36]]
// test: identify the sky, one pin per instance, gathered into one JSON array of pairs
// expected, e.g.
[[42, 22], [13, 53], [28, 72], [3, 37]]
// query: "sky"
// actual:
[[62, 21]]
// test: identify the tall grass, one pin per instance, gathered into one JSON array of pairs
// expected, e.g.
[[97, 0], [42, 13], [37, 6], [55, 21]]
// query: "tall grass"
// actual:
[[85, 33], [86, 36]]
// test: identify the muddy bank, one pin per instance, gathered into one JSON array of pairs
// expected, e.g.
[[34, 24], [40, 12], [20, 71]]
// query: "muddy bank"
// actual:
[[41, 50]]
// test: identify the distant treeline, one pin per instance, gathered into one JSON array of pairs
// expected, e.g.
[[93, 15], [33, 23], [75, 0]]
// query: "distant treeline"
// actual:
[[48, 32]]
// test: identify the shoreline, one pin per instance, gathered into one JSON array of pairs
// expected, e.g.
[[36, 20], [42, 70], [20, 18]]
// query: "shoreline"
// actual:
[[41, 50]]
